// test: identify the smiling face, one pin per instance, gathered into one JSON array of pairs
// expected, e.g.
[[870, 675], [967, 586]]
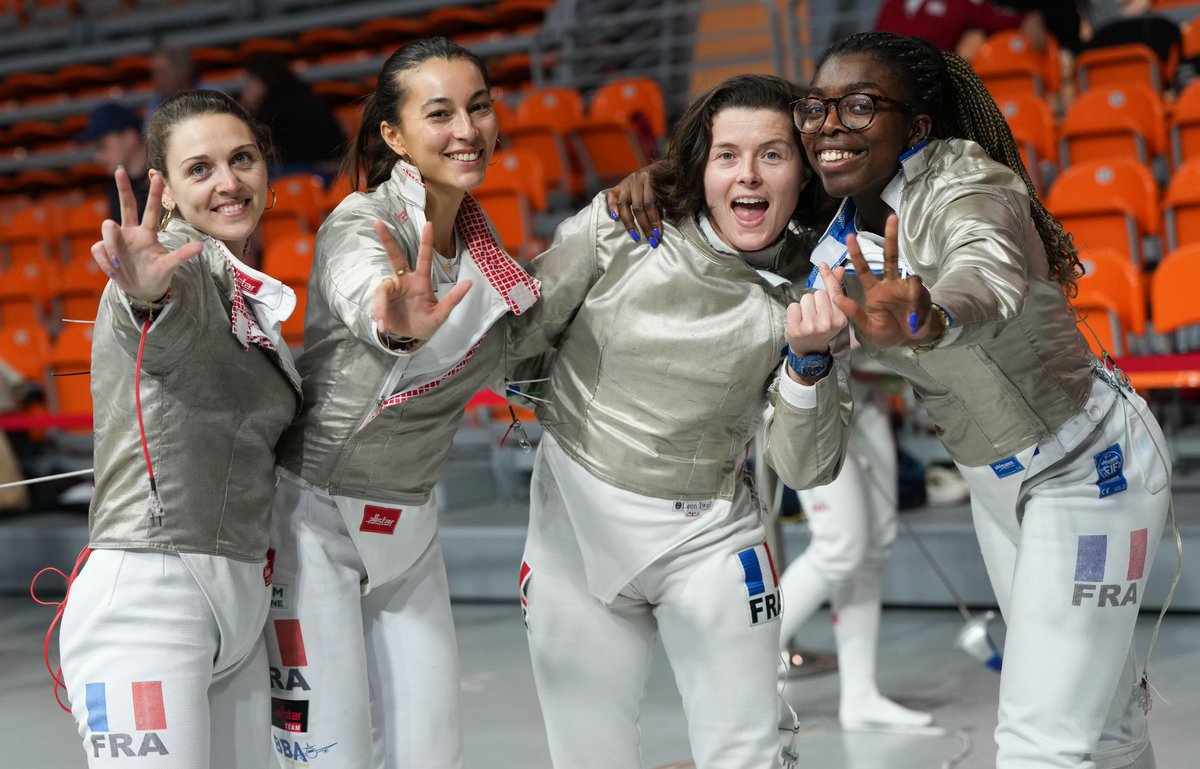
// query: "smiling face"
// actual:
[[859, 164], [216, 177], [753, 176], [445, 126]]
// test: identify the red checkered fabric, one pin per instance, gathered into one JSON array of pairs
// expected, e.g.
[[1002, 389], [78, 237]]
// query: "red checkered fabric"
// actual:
[[407, 395], [497, 266], [245, 327]]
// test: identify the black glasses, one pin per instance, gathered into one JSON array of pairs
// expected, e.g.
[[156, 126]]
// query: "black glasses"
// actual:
[[855, 111]]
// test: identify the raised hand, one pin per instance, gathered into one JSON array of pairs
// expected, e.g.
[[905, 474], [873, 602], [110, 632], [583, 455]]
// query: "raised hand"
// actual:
[[633, 202], [404, 304], [815, 319], [129, 253], [895, 310]]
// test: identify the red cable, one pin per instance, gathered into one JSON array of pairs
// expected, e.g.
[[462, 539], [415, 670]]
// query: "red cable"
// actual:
[[137, 391], [56, 675]]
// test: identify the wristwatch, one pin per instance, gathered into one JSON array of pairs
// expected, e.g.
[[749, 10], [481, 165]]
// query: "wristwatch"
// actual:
[[813, 365]]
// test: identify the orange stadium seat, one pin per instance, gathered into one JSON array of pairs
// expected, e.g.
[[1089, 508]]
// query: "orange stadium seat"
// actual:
[[1032, 122], [1107, 204], [519, 168], [1184, 127], [81, 226], [299, 199], [289, 259], [1173, 303], [80, 285], [1119, 66], [508, 207], [1181, 206], [545, 120], [320, 40], [455, 20], [1116, 122], [626, 122], [32, 233], [70, 385], [26, 287], [513, 190], [337, 190], [1008, 63], [507, 14], [1112, 298], [26, 347], [389, 32]]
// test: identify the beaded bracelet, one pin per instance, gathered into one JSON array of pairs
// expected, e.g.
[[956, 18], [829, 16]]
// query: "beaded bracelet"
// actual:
[[943, 327]]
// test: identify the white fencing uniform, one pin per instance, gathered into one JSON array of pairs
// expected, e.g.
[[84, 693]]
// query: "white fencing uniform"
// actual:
[[641, 519], [1068, 535], [165, 662], [364, 665], [714, 599], [161, 636]]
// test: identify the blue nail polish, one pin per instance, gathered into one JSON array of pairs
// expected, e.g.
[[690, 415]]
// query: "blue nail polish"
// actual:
[[912, 323], [613, 214], [657, 234], [653, 242], [633, 234]]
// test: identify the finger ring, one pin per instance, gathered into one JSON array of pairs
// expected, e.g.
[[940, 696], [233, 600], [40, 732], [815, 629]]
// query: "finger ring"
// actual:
[[401, 271], [634, 207]]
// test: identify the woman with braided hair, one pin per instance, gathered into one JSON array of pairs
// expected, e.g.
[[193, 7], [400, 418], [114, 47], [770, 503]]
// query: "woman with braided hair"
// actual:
[[1069, 477]]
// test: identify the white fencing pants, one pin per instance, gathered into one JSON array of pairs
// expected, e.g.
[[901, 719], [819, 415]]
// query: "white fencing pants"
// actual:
[[164, 664], [358, 681], [1068, 558], [591, 660]]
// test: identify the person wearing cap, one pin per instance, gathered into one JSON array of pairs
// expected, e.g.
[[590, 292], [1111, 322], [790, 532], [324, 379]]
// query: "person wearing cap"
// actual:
[[115, 132]]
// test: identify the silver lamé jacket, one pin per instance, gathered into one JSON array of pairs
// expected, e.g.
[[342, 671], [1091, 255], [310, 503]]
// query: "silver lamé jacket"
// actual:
[[1014, 366], [667, 359], [342, 443], [213, 411]]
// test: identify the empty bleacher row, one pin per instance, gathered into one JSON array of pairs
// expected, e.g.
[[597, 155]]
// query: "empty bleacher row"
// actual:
[[1113, 145]]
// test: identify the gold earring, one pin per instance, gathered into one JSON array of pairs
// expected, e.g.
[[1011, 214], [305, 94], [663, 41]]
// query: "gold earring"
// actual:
[[274, 198], [167, 214]]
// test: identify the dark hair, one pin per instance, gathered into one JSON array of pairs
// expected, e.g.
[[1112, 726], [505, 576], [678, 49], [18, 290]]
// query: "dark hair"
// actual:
[[943, 85], [188, 105], [679, 179], [369, 158]]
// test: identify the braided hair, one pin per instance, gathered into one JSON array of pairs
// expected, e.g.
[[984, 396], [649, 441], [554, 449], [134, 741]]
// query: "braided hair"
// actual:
[[945, 87]]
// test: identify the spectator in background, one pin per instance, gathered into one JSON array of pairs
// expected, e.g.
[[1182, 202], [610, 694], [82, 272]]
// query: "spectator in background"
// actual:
[[115, 132], [955, 25], [173, 72], [306, 134]]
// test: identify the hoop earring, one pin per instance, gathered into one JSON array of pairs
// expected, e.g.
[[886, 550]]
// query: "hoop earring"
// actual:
[[165, 217], [274, 198]]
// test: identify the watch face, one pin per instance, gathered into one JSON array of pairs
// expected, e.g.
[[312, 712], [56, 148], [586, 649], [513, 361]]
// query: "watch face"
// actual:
[[812, 365]]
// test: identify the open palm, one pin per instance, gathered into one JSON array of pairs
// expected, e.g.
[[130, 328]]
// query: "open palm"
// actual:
[[130, 253], [404, 304]]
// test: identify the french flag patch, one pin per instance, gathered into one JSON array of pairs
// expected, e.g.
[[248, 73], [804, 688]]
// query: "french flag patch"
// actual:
[[765, 602]]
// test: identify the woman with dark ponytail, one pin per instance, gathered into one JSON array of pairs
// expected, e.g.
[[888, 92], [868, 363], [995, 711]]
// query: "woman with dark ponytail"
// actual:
[[395, 347], [1069, 475]]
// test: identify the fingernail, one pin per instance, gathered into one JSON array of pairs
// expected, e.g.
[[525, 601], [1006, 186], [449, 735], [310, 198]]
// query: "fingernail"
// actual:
[[613, 215], [912, 323], [116, 264], [653, 242], [633, 234], [657, 234]]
